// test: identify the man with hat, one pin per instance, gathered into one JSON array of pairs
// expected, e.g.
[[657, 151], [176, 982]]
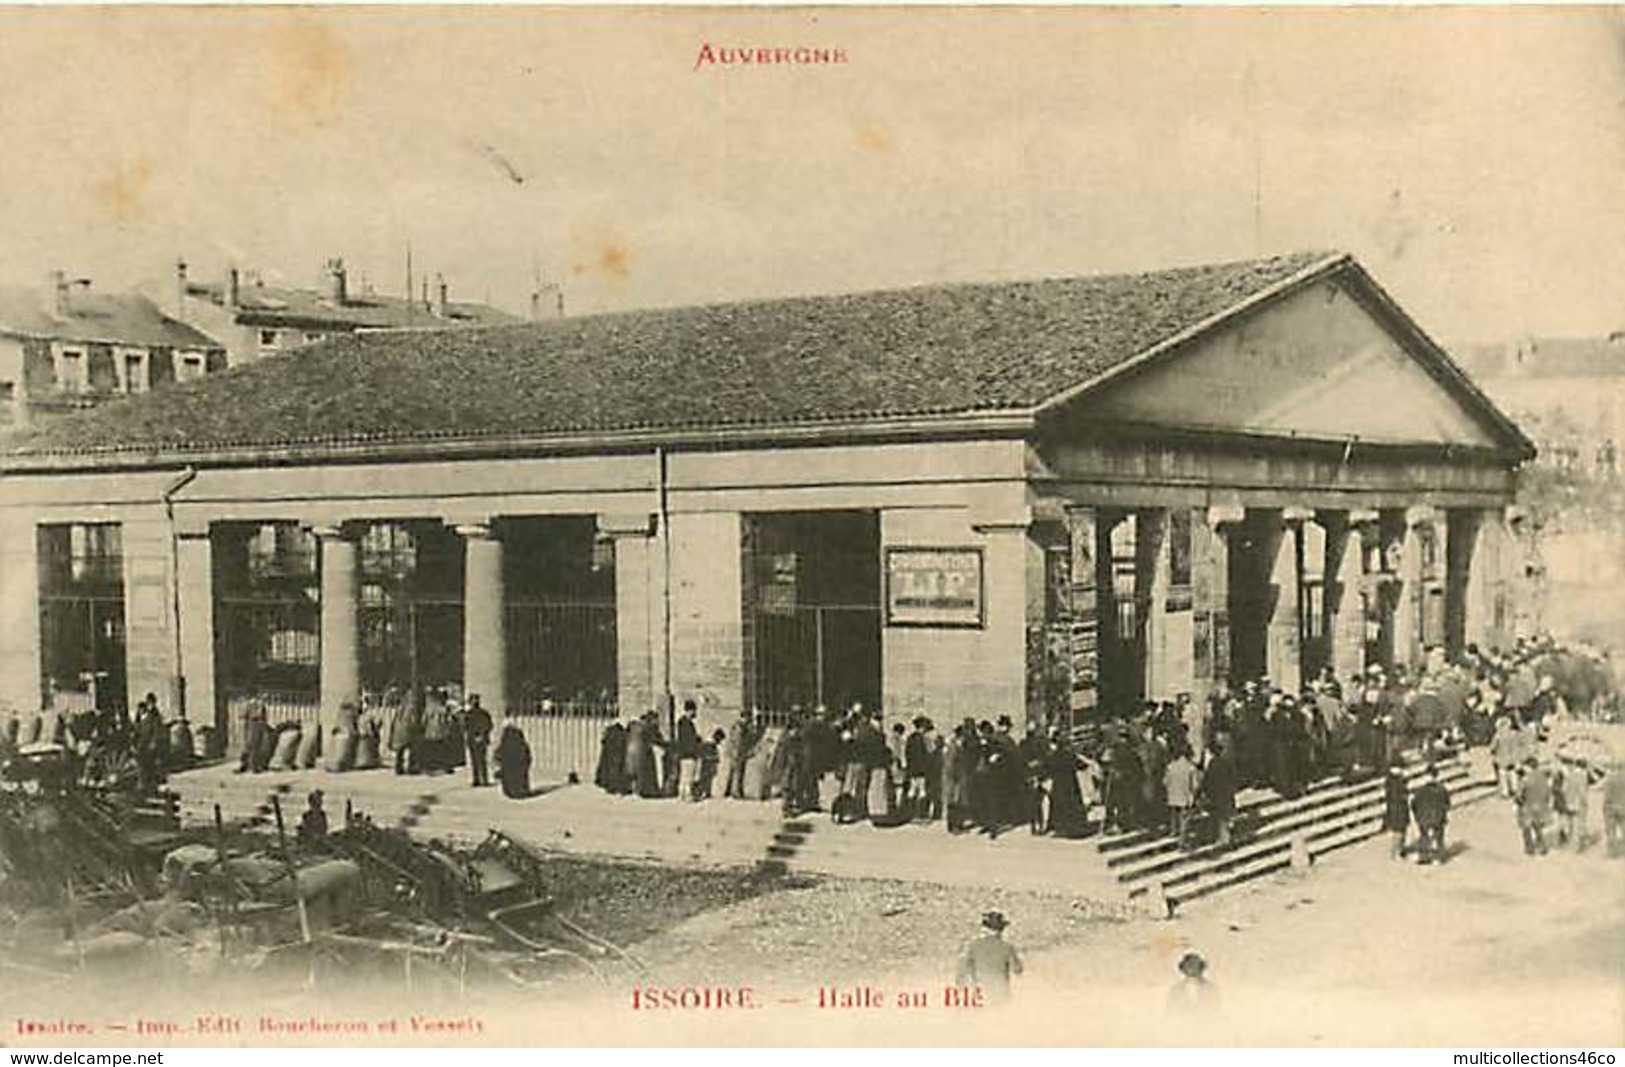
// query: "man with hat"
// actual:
[[1193, 992], [989, 961], [1431, 809], [1534, 799], [922, 760], [313, 823]]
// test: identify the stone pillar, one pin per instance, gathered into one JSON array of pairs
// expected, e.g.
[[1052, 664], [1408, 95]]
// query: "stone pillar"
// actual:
[[1461, 539], [485, 642], [341, 653], [194, 557], [640, 610], [708, 633], [1152, 581], [1493, 573], [1412, 592], [1210, 596], [20, 654], [149, 635], [1284, 662], [1345, 566]]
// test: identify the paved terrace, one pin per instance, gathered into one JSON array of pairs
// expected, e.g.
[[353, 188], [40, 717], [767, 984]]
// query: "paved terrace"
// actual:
[[582, 819]]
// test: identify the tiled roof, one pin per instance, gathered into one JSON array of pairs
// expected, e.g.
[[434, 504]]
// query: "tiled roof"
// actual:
[[939, 350], [265, 305], [95, 318]]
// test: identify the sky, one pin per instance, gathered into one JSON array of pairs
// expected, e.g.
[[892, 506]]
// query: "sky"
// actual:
[[1473, 159]]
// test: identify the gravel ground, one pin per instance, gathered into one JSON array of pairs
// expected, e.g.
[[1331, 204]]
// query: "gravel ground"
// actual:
[[850, 930], [627, 903]]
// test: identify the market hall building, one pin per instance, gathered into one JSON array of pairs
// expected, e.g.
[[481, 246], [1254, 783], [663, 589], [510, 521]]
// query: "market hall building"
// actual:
[[1042, 499]]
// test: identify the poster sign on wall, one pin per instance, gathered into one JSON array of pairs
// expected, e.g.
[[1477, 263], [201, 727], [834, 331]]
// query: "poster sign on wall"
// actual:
[[934, 587]]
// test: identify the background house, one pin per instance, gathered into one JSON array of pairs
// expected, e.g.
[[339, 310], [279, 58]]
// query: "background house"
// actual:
[[68, 347], [255, 320]]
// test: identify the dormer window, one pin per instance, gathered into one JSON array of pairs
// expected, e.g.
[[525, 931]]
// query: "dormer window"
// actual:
[[190, 368]]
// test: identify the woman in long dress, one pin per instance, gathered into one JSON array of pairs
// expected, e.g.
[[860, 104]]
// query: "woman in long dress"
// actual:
[[611, 776], [513, 762], [1067, 815]]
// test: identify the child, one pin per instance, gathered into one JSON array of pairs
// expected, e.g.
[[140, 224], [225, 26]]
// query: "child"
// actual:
[[710, 757]]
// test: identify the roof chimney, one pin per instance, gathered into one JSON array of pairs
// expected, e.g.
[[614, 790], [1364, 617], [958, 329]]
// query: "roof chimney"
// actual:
[[180, 288], [59, 293], [442, 305], [336, 282], [233, 290]]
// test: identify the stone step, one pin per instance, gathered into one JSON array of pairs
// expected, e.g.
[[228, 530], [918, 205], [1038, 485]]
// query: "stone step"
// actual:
[[1329, 792], [1296, 822], [1258, 862]]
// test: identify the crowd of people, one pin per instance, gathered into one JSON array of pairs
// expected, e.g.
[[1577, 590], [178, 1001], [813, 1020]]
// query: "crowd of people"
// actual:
[[427, 731], [1175, 766], [111, 746]]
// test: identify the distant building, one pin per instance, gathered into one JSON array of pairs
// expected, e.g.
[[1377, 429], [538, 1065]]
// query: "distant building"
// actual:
[[1567, 392], [255, 320], [67, 348]]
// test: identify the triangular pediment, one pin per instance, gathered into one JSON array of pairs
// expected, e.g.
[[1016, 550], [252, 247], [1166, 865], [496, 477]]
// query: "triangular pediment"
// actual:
[[1316, 363]]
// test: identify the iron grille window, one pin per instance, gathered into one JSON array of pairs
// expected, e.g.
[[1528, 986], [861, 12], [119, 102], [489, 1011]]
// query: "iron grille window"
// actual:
[[82, 558], [1312, 580], [388, 551], [1124, 547], [281, 550]]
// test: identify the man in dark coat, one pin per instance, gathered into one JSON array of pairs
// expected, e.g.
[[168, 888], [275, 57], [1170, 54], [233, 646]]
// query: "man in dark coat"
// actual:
[[151, 743], [800, 779], [1396, 810], [1033, 754], [477, 736], [958, 763], [1123, 784], [1431, 807], [1534, 798], [687, 749], [1218, 791]]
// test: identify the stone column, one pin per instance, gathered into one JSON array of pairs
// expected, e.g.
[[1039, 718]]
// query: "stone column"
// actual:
[[1492, 572], [485, 642], [341, 654], [1210, 595], [1285, 644], [194, 555], [1345, 541], [1152, 579], [1408, 615]]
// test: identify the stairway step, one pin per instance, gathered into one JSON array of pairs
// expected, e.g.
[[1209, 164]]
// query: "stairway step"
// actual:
[[1154, 842], [1204, 878], [1282, 828]]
